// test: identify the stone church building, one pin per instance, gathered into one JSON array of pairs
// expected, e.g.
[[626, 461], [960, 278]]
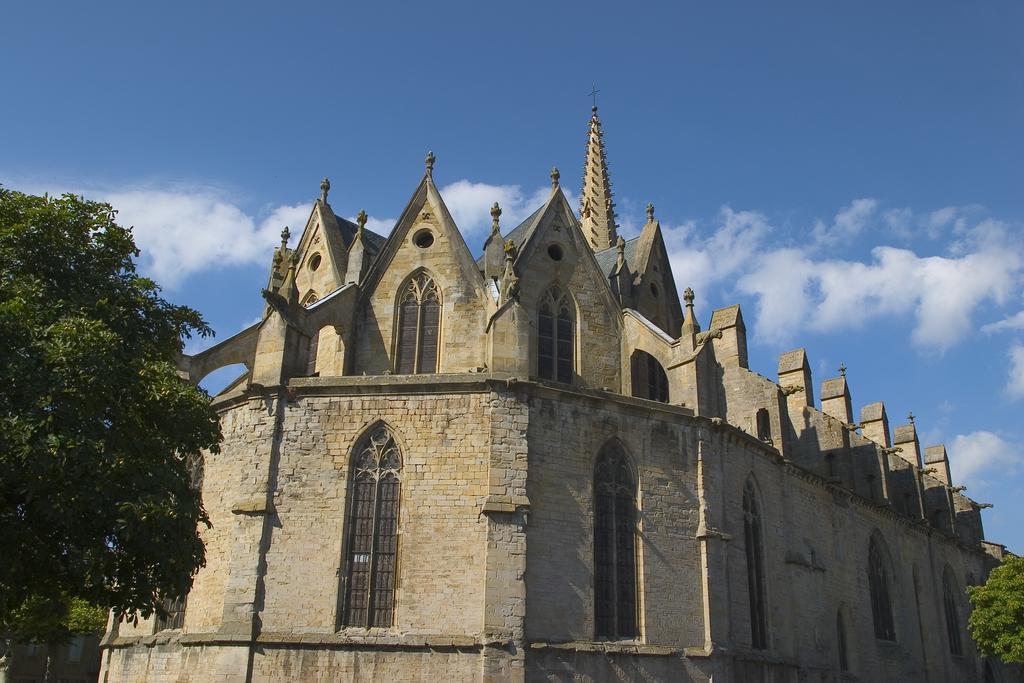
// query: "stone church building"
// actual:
[[540, 465]]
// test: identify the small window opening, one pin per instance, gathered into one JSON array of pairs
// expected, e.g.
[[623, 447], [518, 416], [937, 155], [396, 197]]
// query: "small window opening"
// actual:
[[423, 239], [555, 252], [654, 290], [314, 262]]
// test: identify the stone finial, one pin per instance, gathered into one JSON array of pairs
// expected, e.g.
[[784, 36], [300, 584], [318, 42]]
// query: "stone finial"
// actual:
[[620, 251], [910, 417], [495, 216], [555, 175], [842, 369], [285, 234], [361, 222], [510, 249], [430, 163], [325, 187], [650, 212], [688, 297]]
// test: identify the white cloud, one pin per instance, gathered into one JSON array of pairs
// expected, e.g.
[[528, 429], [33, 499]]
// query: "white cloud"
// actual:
[[1014, 322], [470, 205], [795, 289], [849, 222], [707, 263], [980, 457], [181, 232], [1015, 380]]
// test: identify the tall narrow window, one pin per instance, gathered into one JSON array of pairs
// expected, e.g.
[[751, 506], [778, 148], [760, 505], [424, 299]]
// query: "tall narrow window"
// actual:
[[649, 378], [311, 353], [952, 613], [370, 569], [754, 545], [878, 583], [763, 424], [419, 322], [844, 662], [555, 342], [615, 515]]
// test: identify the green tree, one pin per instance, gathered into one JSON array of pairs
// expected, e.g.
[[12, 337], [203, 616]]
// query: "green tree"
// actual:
[[997, 622], [95, 425], [50, 622]]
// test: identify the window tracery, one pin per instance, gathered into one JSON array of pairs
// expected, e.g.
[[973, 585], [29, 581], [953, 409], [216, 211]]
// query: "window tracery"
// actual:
[[419, 324], [555, 336], [370, 568]]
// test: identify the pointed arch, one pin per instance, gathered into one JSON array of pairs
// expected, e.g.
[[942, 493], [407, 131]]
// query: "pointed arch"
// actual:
[[310, 298], [648, 377], [556, 335], [615, 544], [878, 585], [950, 592], [753, 538], [419, 325], [371, 548]]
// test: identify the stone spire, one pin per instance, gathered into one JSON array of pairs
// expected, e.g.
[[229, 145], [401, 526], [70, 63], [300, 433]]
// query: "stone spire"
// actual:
[[597, 211]]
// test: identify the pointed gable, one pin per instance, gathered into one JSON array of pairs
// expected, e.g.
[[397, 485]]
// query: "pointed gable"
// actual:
[[424, 240], [656, 280], [322, 253], [554, 251]]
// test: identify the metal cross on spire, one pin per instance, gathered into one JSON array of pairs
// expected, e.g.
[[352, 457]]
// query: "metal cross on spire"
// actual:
[[593, 94]]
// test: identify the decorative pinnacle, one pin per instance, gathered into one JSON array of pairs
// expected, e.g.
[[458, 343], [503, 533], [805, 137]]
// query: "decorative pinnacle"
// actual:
[[361, 220], [910, 416], [620, 245], [325, 187], [285, 234], [650, 212], [510, 249], [430, 163], [495, 215], [688, 297], [842, 369], [555, 175]]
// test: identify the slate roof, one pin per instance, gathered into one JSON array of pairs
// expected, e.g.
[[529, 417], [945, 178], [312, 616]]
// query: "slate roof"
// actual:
[[606, 258], [518, 234], [348, 230]]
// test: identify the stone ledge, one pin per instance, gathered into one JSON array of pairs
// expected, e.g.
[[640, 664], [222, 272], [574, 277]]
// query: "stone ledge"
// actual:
[[610, 647], [383, 639]]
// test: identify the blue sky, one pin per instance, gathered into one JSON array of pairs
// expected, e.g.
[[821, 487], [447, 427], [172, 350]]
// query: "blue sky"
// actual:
[[848, 172]]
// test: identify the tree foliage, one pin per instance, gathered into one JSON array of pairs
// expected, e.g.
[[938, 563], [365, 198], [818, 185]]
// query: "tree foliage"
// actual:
[[55, 620], [95, 424], [997, 622]]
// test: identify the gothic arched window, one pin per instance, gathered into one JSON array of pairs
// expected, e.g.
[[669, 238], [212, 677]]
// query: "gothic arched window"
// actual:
[[844, 662], [952, 612], [555, 339], [419, 324], [615, 517], [372, 525], [878, 583], [754, 545], [649, 378]]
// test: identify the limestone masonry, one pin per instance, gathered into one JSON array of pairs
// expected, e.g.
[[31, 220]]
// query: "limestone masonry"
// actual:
[[539, 466]]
